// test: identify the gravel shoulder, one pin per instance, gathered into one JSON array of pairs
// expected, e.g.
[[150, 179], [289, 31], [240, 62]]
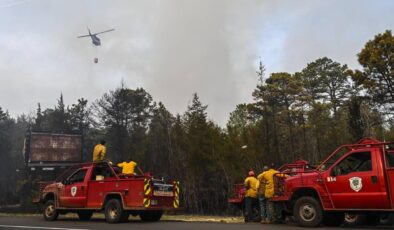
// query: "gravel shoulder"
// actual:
[[183, 218]]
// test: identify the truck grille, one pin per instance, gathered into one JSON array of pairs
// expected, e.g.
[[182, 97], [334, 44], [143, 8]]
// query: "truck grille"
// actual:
[[41, 185]]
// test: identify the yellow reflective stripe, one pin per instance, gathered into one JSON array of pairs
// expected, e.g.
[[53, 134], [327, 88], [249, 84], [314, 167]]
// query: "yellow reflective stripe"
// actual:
[[176, 189], [147, 187], [176, 198], [176, 203], [146, 202]]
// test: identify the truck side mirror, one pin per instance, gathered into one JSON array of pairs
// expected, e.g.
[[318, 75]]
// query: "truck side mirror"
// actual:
[[333, 173]]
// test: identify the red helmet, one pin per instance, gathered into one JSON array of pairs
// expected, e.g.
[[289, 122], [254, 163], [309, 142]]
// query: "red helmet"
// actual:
[[251, 173]]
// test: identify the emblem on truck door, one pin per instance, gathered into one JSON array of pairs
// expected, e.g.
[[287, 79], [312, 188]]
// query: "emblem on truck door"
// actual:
[[356, 183], [73, 191]]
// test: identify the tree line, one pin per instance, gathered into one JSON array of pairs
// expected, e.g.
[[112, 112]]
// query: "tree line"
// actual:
[[306, 115]]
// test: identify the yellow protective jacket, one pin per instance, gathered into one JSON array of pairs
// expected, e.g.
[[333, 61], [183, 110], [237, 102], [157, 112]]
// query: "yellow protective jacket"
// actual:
[[268, 176], [262, 182], [251, 185], [128, 167], [99, 152]]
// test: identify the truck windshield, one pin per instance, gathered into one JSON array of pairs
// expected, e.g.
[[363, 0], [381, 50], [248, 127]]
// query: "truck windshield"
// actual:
[[67, 173], [331, 160]]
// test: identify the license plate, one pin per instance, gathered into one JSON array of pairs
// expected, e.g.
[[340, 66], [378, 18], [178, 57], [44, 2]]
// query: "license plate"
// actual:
[[162, 193]]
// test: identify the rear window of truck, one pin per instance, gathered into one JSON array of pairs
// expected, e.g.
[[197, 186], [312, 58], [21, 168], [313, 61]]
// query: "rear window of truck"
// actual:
[[390, 159]]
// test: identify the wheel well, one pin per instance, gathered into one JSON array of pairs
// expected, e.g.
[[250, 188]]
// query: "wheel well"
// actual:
[[112, 196], [303, 192], [49, 196]]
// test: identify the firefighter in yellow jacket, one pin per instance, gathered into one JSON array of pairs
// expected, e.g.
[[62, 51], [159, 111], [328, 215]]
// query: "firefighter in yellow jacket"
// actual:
[[99, 151], [261, 195], [251, 184], [128, 168], [268, 177]]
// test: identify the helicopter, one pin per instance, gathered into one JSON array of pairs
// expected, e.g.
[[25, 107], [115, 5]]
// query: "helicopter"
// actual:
[[95, 40]]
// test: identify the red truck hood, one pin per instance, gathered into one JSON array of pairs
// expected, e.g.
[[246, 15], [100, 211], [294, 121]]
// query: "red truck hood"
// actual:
[[302, 179]]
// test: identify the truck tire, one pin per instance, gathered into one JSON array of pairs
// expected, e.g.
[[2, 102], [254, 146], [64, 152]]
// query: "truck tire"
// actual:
[[308, 212], [333, 219], [151, 216], [354, 219], [50, 213], [351, 219], [361, 219], [114, 211], [372, 219], [85, 215], [387, 219]]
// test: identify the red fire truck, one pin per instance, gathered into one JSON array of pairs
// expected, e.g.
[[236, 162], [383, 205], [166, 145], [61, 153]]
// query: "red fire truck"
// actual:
[[356, 179], [94, 187], [353, 186]]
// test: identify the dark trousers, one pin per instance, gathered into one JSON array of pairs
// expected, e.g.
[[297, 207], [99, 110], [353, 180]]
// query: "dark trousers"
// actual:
[[249, 204]]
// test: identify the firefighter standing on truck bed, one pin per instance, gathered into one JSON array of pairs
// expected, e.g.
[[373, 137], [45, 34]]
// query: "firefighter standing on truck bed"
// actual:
[[128, 168], [251, 185], [99, 151]]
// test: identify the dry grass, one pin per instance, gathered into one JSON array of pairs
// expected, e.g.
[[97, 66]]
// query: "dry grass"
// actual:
[[186, 218]]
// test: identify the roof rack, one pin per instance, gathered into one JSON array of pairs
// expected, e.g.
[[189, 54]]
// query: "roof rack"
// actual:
[[365, 142]]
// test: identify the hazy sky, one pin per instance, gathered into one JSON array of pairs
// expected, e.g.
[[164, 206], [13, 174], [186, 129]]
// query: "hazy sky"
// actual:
[[172, 48]]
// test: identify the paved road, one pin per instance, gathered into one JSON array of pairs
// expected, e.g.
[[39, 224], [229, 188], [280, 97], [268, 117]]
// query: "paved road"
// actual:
[[23, 223]]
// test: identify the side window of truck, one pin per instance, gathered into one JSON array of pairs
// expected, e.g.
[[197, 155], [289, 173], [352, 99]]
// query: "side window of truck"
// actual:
[[78, 176], [355, 162]]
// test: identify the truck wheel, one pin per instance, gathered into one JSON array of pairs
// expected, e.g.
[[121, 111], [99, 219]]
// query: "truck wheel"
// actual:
[[372, 220], [354, 219], [307, 212], [113, 211], [333, 219], [85, 215], [50, 212], [150, 216], [387, 219]]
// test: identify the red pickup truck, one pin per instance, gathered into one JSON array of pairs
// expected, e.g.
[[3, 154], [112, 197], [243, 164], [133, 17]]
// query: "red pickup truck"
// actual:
[[356, 179], [353, 186], [95, 187]]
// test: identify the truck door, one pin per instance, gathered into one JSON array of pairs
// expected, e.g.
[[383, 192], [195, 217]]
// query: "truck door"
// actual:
[[73, 193], [354, 181], [98, 183]]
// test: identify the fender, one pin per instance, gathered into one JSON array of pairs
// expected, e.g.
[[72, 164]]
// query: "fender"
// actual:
[[311, 190], [113, 194]]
